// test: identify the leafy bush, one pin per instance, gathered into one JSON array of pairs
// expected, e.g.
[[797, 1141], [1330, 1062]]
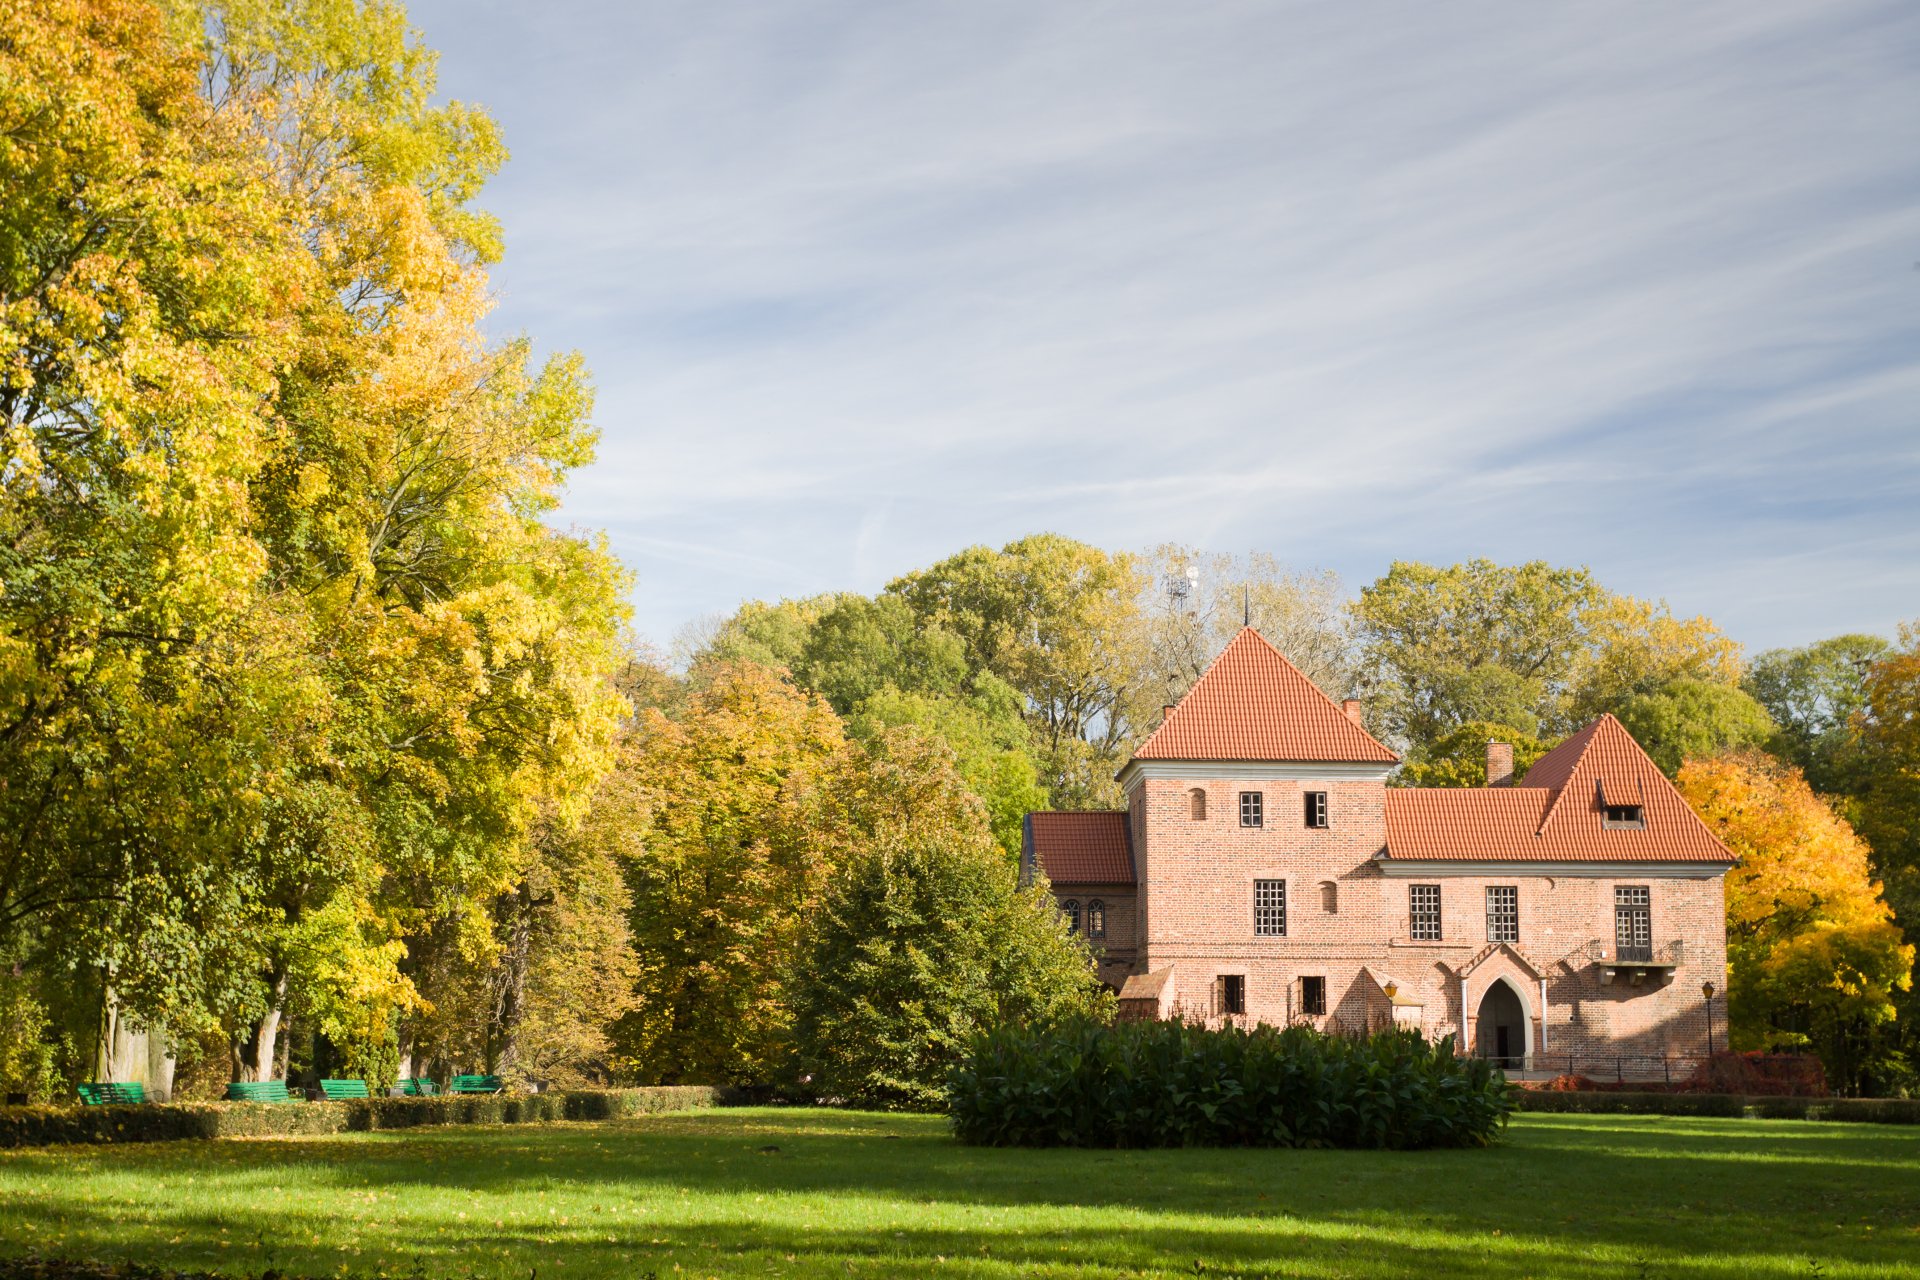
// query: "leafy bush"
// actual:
[[1173, 1084], [44, 1126]]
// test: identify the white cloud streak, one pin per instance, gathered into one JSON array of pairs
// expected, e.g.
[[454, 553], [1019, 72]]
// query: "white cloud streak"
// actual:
[[1625, 284]]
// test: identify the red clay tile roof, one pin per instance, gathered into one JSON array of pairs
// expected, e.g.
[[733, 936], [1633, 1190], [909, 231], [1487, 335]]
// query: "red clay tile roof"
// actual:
[[1252, 704], [1081, 848], [1555, 814]]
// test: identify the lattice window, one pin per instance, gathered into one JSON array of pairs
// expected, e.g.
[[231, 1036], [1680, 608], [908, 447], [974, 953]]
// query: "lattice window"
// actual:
[[1423, 902], [1072, 908], [1252, 809], [1096, 919], [1270, 908], [1503, 913], [1633, 921]]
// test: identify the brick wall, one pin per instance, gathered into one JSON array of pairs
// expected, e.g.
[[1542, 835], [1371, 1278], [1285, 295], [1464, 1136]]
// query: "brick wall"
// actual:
[[1347, 924]]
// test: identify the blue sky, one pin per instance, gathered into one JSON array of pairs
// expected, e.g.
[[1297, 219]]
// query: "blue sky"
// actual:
[[1629, 285]]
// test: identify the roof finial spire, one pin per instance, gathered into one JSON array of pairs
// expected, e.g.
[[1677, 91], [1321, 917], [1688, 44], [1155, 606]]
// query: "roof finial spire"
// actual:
[[1246, 605]]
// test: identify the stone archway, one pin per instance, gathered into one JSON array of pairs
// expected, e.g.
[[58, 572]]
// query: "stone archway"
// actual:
[[1501, 1026]]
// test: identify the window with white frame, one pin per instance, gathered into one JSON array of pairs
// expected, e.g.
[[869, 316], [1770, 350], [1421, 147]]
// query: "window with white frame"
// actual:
[[1503, 913], [1316, 809], [1423, 912], [1252, 809], [1270, 908]]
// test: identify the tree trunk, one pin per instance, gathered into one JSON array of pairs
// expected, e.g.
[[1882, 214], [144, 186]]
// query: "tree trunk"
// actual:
[[514, 915], [253, 1058]]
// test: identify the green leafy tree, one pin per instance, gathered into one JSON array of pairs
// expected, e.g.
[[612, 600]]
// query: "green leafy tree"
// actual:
[[989, 741], [734, 846], [1693, 720], [1056, 619], [922, 938], [1459, 758], [1815, 695], [1533, 646]]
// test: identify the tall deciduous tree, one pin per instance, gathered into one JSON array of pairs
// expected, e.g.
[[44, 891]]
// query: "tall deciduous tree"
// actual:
[[1533, 646], [924, 936], [1055, 619], [1459, 758], [1691, 719], [1814, 956], [734, 794]]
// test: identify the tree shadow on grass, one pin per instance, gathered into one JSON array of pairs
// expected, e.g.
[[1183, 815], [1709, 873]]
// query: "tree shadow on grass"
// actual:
[[802, 1191]]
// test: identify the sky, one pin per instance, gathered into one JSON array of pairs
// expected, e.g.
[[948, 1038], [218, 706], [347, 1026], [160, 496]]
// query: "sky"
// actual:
[[1629, 285]]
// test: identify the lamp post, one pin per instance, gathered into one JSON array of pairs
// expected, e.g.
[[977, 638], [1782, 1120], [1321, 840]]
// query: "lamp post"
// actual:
[[1706, 989]]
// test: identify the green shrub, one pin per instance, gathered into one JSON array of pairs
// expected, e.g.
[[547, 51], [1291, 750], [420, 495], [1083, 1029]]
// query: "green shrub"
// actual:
[[1171, 1084], [44, 1126]]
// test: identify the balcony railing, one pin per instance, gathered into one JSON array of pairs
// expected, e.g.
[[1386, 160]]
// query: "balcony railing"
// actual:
[[1666, 954]]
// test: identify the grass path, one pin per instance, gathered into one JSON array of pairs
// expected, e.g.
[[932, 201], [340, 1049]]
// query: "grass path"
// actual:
[[813, 1193]]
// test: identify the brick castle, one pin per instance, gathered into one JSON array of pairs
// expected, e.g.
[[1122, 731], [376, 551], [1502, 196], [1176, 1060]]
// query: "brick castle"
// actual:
[[1264, 871]]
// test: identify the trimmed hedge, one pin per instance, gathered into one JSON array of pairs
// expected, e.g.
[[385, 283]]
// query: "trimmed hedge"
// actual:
[[1853, 1110], [1173, 1084], [161, 1122]]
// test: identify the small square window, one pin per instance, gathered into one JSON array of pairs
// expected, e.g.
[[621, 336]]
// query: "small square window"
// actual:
[[1252, 809], [1233, 993], [1313, 995], [1316, 809]]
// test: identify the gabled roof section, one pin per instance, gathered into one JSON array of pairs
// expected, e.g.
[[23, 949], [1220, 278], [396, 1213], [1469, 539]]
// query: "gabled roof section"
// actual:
[[1557, 812], [1081, 848], [1254, 705], [1612, 764]]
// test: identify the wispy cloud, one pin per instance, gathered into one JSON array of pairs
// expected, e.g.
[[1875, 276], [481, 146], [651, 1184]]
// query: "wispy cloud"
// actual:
[[1626, 284]]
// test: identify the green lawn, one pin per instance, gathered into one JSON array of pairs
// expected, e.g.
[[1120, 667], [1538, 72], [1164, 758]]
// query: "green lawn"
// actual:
[[798, 1192]]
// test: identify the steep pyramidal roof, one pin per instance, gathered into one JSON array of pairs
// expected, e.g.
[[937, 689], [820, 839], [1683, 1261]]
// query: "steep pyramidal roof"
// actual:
[[1556, 814], [1254, 705]]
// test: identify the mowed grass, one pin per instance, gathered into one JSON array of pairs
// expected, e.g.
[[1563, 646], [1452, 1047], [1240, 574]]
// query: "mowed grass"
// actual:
[[757, 1192]]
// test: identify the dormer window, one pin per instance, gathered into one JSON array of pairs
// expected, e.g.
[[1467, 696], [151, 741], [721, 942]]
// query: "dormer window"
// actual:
[[1624, 817]]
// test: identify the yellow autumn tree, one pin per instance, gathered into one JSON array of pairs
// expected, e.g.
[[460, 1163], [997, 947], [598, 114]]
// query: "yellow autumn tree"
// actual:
[[1814, 956]]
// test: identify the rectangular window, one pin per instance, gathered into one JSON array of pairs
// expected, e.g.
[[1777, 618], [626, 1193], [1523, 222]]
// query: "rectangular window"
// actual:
[[1633, 922], [1423, 902], [1503, 913], [1252, 804], [1233, 993], [1313, 995], [1629, 817], [1316, 808], [1270, 908]]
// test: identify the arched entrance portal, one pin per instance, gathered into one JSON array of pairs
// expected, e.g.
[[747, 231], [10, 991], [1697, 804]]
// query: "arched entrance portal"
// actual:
[[1500, 1032]]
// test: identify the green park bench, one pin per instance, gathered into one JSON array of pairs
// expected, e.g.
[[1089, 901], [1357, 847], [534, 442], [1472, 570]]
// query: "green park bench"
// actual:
[[419, 1087], [260, 1091], [109, 1094], [337, 1090], [477, 1084]]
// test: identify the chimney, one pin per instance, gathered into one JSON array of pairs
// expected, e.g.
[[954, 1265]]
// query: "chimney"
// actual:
[[1499, 764], [1352, 707], [1165, 711]]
